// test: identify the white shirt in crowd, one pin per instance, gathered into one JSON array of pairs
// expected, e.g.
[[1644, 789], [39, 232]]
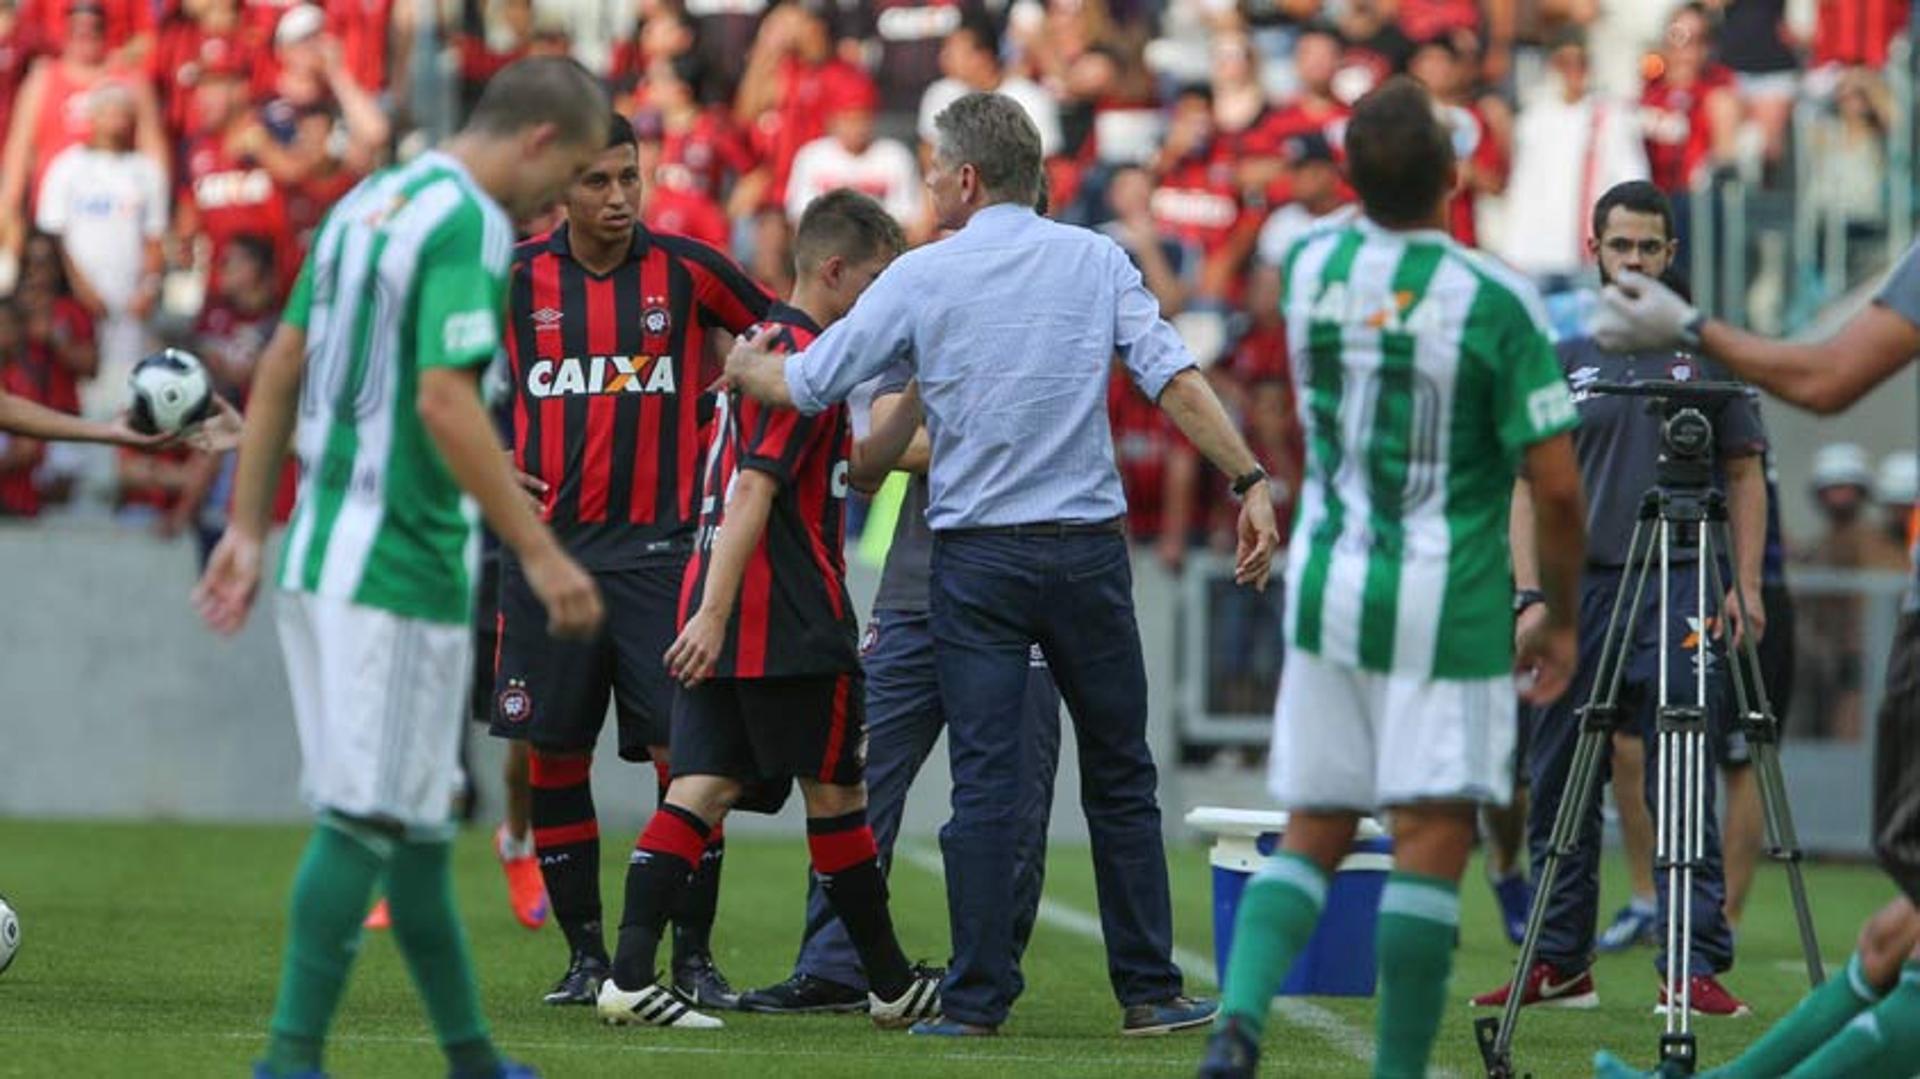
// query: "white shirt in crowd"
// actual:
[[105, 206], [886, 171], [1039, 105], [1564, 157]]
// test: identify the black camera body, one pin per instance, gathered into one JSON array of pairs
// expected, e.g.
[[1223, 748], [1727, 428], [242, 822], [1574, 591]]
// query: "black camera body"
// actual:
[[1688, 411]]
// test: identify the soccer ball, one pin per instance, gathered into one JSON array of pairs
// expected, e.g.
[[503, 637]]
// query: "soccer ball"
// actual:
[[9, 934], [171, 392]]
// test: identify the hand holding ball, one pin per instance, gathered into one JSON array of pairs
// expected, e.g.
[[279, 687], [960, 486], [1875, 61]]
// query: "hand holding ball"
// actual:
[[171, 392]]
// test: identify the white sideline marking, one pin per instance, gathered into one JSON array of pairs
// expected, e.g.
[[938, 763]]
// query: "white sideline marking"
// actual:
[[1304, 1013]]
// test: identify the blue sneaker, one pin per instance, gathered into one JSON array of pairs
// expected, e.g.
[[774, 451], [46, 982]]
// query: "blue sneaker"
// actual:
[[1515, 895], [1167, 1016], [1232, 1053], [1633, 925], [942, 1027], [508, 1069], [261, 1071]]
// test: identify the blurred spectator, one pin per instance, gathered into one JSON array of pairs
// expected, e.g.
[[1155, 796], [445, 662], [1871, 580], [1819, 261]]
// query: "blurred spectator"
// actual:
[[19, 456], [906, 39], [59, 332], [1158, 470], [108, 205], [365, 31], [1831, 645], [152, 485], [792, 83], [128, 26], [50, 114], [1689, 112], [671, 200], [1896, 488], [1251, 133], [723, 35], [16, 52], [771, 263], [1842, 489], [1262, 377], [970, 61], [226, 190], [849, 155], [1376, 48], [236, 321], [664, 33], [1756, 45], [703, 150], [1479, 145], [1050, 37], [1314, 106], [1319, 199], [1424, 20], [1569, 146], [484, 46], [207, 33], [1849, 158], [1858, 32], [1130, 197], [319, 131], [1198, 204]]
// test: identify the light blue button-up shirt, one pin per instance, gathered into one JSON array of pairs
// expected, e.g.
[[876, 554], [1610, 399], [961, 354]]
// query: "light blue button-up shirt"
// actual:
[[1011, 326]]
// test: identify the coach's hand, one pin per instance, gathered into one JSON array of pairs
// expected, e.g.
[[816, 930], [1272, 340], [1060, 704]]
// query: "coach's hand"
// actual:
[[535, 487], [224, 597], [756, 370], [1637, 312], [571, 598], [693, 655], [1544, 660], [1259, 538]]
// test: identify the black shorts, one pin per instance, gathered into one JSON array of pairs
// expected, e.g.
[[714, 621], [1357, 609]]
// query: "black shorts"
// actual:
[[486, 639], [1896, 763], [554, 694], [809, 727]]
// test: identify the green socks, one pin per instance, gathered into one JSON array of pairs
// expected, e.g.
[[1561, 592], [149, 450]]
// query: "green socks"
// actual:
[[1883, 1043], [1819, 1016], [427, 928], [1419, 918], [1277, 915], [330, 895]]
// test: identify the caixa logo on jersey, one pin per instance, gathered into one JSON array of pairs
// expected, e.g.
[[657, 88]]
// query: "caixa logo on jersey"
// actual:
[[591, 375]]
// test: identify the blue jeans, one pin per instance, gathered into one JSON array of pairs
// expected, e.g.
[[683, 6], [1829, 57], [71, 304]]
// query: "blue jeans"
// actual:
[[1566, 938], [904, 720], [994, 595]]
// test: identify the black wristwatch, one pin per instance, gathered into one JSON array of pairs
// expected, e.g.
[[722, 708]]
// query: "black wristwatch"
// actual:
[[1526, 597], [1245, 481]]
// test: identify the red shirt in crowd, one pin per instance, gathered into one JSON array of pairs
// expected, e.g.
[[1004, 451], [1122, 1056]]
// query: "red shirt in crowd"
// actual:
[[16, 53], [63, 119], [1424, 20], [360, 26], [809, 93], [1277, 125], [1473, 141], [19, 497], [54, 384], [707, 153], [126, 19], [1674, 119], [185, 51], [671, 208], [235, 196], [1197, 201], [1857, 32]]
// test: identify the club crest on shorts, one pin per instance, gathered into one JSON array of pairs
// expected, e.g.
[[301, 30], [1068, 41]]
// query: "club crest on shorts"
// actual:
[[516, 704], [654, 320]]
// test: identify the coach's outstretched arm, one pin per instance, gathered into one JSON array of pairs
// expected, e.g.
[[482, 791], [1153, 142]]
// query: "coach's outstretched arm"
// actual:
[[1823, 376], [1548, 532]]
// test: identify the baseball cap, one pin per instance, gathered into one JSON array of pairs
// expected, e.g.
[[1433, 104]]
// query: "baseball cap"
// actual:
[[1309, 147], [298, 24], [1842, 464]]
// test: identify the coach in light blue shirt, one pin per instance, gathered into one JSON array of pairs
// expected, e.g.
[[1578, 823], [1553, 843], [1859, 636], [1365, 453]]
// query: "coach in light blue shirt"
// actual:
[[1011, 326]]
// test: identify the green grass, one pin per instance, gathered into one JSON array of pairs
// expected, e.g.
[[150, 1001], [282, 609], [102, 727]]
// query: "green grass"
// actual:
[[152, 950]]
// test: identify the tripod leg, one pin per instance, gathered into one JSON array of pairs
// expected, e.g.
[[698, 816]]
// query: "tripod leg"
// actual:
[[1763, 733]]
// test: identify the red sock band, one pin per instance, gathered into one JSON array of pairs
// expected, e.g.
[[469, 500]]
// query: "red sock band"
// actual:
[[835, 851], [672, 831], [562, 835], [548, 771], [663, 772]]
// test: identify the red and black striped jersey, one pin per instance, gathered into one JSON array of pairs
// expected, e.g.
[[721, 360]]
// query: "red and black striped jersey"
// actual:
[[609, 386], [793, 616]]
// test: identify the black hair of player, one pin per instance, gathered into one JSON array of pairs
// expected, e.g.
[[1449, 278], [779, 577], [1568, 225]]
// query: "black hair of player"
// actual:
[[1399, 155], [1634, 196], [979, 28], [846, 223], [538, 90], [619, 131]]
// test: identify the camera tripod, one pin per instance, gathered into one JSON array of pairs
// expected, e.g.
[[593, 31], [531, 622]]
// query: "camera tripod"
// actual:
[[1682, 511]]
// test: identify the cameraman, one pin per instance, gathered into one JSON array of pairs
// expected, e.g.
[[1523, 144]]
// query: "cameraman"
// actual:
[[1619, 446]]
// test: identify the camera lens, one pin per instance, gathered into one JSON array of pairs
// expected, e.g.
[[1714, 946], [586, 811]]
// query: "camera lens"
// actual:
[[1687, 433]]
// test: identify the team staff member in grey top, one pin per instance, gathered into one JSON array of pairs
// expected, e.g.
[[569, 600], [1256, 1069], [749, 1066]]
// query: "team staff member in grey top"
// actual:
[[1863, 1022], [1011, 326]]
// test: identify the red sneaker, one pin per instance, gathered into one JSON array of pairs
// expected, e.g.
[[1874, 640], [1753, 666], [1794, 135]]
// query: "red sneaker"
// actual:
[[1709, 997], [526, 890], [1545, 986], [379, 917]]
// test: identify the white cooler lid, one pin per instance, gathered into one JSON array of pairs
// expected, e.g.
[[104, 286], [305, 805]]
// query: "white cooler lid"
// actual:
[[1223, 821]]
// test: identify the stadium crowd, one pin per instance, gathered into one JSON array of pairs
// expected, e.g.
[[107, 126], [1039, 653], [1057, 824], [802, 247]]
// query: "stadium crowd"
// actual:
[[165, 162]]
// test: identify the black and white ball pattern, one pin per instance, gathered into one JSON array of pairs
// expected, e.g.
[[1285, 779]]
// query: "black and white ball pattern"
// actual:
[[171, 392]]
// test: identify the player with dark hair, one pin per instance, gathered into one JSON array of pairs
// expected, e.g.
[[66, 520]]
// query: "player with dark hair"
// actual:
[[609, 327], [1428, 381], [373, 376], [766, 654]]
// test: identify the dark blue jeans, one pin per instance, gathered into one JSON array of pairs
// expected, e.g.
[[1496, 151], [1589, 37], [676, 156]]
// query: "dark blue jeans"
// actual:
[[1073, 595], [904, 720], [1566, 939]]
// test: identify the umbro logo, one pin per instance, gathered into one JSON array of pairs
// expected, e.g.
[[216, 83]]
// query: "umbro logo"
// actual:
[[546, 319]]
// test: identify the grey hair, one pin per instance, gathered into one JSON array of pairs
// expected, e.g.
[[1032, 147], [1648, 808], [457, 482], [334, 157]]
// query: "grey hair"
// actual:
[[992, 133]]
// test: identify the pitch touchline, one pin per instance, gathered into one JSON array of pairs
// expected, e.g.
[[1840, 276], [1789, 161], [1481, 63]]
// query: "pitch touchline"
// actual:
[[1337, 1031]]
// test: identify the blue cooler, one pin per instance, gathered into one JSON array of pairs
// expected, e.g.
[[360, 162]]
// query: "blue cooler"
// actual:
[[1339, 959]]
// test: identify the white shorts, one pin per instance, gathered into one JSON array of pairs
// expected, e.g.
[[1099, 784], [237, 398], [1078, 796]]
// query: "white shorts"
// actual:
[[379, 700], [1349, 739]]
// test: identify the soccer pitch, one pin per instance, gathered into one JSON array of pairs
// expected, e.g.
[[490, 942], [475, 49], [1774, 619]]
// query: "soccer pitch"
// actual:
[[153, 950]]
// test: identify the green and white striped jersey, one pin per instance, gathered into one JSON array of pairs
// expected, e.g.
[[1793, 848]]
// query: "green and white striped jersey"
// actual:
[[1422, 371], [409, 271]]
